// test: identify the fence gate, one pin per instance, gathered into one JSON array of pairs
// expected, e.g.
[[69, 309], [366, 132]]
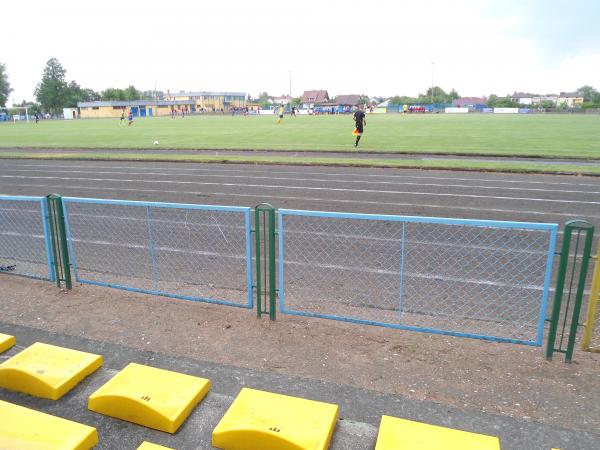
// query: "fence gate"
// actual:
[[191, 252], [474, 278], [570, 285]]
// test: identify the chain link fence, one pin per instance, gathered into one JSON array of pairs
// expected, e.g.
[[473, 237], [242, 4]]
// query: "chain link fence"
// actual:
[[24, 237], [482, 279], [193, 252]]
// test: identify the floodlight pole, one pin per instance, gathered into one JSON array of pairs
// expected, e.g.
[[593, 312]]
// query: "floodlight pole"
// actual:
[[432, 70], [155, 101]]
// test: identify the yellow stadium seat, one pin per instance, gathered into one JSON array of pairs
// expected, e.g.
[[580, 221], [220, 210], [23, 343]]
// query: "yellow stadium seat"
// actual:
[[6, 342], [47, 371], [151, 446], [24, 429], [401, 434], [259, 420], [154, 398]]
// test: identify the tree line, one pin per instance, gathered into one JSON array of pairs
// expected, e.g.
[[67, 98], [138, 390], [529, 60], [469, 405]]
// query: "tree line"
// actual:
[[54, 92]]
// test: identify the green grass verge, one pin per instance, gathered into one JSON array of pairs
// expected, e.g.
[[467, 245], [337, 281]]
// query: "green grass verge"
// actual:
[[548, 136], [491, 166]]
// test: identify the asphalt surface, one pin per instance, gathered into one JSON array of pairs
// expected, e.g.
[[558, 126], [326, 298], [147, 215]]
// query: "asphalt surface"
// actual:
[[473, 195], [360, 409], [535, 198]]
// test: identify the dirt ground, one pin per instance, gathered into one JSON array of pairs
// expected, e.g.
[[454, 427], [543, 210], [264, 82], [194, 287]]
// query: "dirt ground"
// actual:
[[507, 379]]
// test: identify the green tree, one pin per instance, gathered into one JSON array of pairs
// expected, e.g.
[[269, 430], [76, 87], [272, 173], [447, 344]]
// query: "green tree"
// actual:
[[492, 100], [435, 94], [53, 92], [297, 101], [506, 103], [128, 94], [588, 93], [263, 97], [32, 107], [89, 95], [402, 100], [131, 93], [5, 88], [78, 94], [113, 94]]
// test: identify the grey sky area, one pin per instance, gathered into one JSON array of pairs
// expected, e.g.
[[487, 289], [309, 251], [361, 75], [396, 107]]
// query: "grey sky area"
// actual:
[[379, 48]]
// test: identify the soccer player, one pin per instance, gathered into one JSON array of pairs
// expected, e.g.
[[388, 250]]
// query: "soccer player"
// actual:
[[129, 118], [280, 113], [122, 121], [361, 121]]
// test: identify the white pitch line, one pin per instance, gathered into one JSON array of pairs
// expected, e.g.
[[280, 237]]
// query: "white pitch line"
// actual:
[[361, 269], [327, 173], [323, 180], [297, 263], [308, 188], [417, 275], [316, 199]]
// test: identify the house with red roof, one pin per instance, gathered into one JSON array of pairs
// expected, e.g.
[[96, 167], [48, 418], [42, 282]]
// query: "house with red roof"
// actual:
[[310, 98]]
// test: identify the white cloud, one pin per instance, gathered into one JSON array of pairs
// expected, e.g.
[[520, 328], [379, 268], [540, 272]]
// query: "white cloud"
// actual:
[[379, 48]]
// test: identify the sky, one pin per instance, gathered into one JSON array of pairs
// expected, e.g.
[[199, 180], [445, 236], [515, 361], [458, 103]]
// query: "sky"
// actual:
[[379, 47]]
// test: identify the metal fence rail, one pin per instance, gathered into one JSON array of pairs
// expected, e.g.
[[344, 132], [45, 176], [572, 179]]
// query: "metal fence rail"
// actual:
[[25, 238], [192, 252], [481, 279]]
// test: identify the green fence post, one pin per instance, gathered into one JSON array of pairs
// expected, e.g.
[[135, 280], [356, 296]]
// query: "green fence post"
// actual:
[[52, 227], [59, 240], [264, 237], [272, 288], [257, 255], [580, 226], [558, 293]]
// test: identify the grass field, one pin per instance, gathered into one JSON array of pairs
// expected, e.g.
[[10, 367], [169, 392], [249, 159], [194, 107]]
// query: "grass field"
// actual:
[[553, 136]]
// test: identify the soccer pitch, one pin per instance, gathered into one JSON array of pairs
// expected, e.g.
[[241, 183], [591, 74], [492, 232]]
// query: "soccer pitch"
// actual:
[[557, 136]]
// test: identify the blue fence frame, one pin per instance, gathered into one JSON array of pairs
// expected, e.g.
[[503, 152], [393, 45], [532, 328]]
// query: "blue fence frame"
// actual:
[[46, 228], [182, 206], [551, 228]]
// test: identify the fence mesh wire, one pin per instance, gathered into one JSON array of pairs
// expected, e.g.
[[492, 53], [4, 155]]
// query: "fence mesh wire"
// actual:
[[23, 248], [199, 254], [462, 279]]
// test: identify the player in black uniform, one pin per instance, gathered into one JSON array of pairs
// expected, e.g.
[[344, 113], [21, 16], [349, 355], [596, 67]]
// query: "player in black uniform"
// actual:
[[360, 121]]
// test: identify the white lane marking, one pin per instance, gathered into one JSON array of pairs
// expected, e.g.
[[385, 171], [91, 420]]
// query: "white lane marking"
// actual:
[[313, 188], [418, 275], [316, 199], [358, 237], [321, 180], [327, 173], [362, 269]]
